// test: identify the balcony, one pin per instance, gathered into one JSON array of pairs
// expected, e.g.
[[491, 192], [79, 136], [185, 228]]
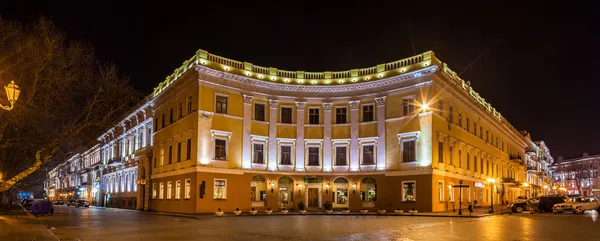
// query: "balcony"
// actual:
[[530, 150], [115, 161], [508, 180]]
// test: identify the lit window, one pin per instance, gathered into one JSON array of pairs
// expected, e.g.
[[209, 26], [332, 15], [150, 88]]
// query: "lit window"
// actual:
[[220, 149], [367, 113], [220, 189], [440, 188], [409, 191], [341, 115], [313, 116], [340, 156], [286, 154], [221, 104], [259, 156], [408, 105], [162, 156], [313, 156], [188, 188], [367, 154], [153, 190], [259, 112], [451, 192], [161, 192], [178, 190], [169, 189], [408, 151], [286, 115]]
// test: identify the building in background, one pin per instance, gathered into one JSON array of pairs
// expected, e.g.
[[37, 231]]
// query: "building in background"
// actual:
[[578, 175]]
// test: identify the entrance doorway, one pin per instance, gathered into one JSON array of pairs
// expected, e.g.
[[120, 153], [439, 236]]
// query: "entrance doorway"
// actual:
[[341, 193], [313, 197], [286, 187]]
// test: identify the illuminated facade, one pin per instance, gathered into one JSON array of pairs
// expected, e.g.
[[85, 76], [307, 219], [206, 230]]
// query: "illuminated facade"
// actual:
[[579, 175]]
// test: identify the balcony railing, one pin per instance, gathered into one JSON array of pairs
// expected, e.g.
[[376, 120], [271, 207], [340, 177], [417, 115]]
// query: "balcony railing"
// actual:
[[115, 161]]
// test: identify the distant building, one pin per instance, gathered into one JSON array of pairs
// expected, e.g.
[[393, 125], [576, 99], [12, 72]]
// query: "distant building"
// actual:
[[579, 175]]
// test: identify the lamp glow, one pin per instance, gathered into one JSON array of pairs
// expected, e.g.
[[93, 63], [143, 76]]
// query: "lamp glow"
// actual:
[[526, 184], [425, 107], [12, 94], [491, 180]]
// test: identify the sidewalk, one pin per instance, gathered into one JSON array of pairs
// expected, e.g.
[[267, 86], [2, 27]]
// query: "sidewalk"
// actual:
[[20, 224], [478, 212]]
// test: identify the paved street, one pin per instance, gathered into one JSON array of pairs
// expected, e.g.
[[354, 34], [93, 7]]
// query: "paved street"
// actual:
[[70, 223]]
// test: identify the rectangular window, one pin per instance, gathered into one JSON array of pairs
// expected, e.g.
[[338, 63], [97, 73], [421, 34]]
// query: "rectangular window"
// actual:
[[171, 116], [155, 162], [468, 124], [451, 152], [481, 165], [408, 151], [340, 156], [496, 142], [408, 106], [161, 192], [367, 113], [451, 192], [164, 121], [221, 104], [440, 152], [341, 115], [286, 155], [220, 189], [451, 113], [367, 154], [179, 152], [188, 150], [178, 190], [475, 128], [169, 189], [460, 158], [487, 136], [409, 191], [440, 188], [189, 105], [153, 190], [155, 123], [188, 188], [468, 161], [460, 119], [502, 145], [481, 132], [313, 116], [474, 163], [441, 107], [180, 110], [170, 154], [259, 112], [286, 115], [313, 156], [258, 153], [220, 149], [162, 157]]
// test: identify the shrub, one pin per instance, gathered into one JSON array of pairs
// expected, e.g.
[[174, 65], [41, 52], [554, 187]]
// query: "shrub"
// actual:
[[301, 205]]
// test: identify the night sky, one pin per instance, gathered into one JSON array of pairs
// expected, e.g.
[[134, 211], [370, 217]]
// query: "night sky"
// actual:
[[535, 63]]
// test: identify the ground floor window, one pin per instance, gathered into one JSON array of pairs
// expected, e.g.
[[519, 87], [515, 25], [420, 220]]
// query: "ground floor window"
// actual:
[[153, 190], [451, 192], [220, 189], [169, 189], [161, 191], [341, 191], [258, 189], [440, 187], [408, 191], [188, 185], [178, 190], [368, 190]]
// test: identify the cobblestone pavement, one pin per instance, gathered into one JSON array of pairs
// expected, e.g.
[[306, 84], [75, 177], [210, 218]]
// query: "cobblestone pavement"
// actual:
[[71, 223]]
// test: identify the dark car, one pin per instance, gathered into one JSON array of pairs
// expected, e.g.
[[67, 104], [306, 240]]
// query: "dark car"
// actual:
[[26, 203], [539, 204], [72, 202], [82, 203], [58, 202]]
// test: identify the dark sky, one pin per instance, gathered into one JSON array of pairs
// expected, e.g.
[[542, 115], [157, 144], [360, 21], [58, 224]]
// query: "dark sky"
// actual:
[[535, 63]]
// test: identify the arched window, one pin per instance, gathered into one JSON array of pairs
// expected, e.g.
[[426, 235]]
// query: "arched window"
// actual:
[[258, 189], [368, 189], [285, 186], [340, 188]]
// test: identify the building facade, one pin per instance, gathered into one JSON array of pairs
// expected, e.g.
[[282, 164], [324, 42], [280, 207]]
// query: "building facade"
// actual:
[[579, 175], [220, 133]]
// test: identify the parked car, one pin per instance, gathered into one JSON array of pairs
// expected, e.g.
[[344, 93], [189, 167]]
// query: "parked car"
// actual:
[[82, 203], [521, 199], [71, 202], [577, 205], [41, 207], [58, 202], [540, 204]]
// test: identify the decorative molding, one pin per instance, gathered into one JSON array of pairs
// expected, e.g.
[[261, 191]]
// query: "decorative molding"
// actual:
[[354, 104], [380, 101], [414, 135], [273, 103], [247, 98], [218, 133], [300, 104], [327, 106]]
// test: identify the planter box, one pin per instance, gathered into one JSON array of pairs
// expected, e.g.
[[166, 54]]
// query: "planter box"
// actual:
[[329, 211], [284, 211], [398, 211], [413, 211], [346, 211], [253, 212], [237, 213], [302, 211], [381, 211], [268, 211], [219, 214], [364, 211]]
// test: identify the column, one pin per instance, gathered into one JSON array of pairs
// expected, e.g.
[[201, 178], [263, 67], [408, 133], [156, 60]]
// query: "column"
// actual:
[[327, 165], [424, 145], [300, 136], [246, 145], [273, 135], [380, 102], [354, 135]]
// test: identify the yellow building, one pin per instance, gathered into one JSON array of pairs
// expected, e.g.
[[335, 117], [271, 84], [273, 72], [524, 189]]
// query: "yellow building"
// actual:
[[230, 134]]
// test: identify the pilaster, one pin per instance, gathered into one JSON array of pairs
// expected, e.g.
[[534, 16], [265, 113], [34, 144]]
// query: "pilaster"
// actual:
[[327, 164], [425, 140], [247, 124], [300, 163], [354, 165], [273, 134], [381, 163]]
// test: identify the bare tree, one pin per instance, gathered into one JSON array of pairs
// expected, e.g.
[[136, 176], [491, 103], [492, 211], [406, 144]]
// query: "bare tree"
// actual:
[[67, 98]]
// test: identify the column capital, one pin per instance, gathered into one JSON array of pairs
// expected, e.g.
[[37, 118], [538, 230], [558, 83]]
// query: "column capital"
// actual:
[[300, 104], [273, 103], [247, 98], [327, 105], [380, 101], [354, 104]]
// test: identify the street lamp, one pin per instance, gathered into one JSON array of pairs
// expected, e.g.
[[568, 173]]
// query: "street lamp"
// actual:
[[12, 93], [491, 181]]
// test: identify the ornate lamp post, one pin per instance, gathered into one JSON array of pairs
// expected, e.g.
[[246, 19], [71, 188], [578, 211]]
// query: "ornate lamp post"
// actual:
[[491, 181], [12, 93]]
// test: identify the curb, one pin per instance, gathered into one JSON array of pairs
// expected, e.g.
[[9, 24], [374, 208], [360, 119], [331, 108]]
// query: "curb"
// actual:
[[31, 216]]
